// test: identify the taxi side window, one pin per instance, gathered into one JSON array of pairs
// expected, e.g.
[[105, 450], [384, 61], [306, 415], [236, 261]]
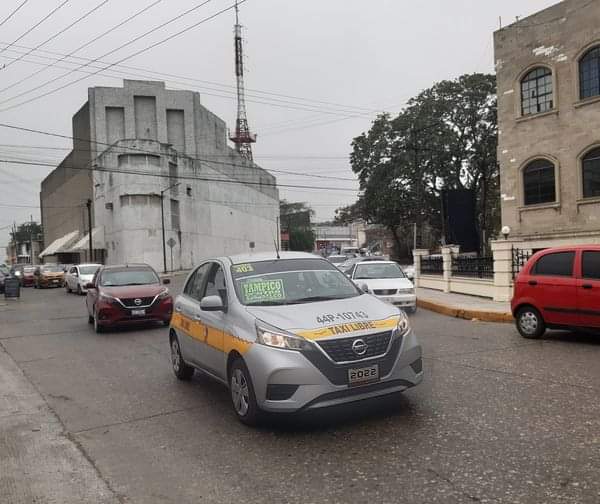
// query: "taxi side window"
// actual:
[[215, 285], [194, 286]]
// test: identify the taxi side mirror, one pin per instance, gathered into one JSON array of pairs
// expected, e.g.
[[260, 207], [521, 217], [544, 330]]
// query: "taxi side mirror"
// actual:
[[90, 285], [364, 287], [212, 303]]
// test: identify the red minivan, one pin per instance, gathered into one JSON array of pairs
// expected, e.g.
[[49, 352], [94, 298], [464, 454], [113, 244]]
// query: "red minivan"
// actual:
[[558, 288]]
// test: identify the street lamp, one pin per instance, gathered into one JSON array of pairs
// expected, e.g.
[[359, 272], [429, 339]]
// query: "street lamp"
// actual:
[[162, 219]]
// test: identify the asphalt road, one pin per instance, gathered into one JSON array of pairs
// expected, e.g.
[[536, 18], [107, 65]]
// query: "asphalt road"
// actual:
[[497, 419]]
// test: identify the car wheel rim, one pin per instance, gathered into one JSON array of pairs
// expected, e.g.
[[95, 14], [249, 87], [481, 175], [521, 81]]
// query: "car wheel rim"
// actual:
[[528, 322], [239, 392], [175, 356]]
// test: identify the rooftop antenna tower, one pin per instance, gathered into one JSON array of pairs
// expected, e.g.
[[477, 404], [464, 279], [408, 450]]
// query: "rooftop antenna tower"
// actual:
[[242, 138]]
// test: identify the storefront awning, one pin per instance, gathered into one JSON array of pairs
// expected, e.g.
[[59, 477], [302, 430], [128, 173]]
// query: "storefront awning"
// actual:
[[84, 243], [61, 244]]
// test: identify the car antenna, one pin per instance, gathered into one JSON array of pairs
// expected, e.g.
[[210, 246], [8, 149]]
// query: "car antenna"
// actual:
[[276, 248]]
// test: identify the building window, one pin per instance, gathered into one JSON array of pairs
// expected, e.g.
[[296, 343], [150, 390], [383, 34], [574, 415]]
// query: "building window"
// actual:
[[139, 160], [140, 200], [536, 91], [589, 73], [173, 178], [591, 174], [539, 182], [175, 214]]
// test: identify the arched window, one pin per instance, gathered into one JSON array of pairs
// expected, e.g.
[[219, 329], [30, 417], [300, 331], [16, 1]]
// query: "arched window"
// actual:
[[538, 182], [591, 174], [536, 91], [589, 73]]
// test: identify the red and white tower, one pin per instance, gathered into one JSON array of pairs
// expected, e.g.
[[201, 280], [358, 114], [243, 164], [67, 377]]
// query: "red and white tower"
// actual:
[[242, 138]]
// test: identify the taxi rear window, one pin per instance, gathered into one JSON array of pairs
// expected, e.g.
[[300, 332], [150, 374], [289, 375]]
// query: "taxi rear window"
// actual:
[[279, 265]]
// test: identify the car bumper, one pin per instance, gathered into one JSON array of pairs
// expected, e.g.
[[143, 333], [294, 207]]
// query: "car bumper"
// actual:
[[116, 315], [309, 382], [51, 282], [400, 300]]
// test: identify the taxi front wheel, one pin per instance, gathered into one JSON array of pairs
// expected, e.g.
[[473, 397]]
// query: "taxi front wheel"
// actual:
[[242, 393], [181, 370]]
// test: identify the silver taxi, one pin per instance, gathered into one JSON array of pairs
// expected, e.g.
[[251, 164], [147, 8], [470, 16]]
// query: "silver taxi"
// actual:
[[289, 333]]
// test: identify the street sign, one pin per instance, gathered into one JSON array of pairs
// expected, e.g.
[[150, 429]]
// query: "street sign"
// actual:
[[171, 243], [12, 287]]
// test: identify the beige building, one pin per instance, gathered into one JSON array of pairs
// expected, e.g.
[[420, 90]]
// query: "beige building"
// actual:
[[548, 72]]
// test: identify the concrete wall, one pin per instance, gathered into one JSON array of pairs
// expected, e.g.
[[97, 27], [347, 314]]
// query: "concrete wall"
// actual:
[[555, 38]]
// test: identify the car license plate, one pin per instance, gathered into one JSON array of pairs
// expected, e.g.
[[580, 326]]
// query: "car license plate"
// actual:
[[361, 375], [138, 313], [55, 281]]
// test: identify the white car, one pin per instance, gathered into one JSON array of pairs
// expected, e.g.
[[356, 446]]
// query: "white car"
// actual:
[[79, 276], [387, 281], [337, 259]]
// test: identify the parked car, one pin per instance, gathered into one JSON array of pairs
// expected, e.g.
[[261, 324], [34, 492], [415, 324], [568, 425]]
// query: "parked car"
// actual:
[[27, 278], [3, 276], [558, 288], [289, 332], [78, 276], [127, 294], [350, 252], [387, 281], [48, 275], [4, 269]]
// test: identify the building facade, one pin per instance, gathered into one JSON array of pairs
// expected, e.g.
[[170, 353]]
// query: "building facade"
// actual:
[[548, 75], [145, 155]]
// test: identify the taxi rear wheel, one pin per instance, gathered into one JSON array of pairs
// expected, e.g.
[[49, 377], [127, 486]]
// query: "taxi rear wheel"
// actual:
[[181, 369], [242, 394]]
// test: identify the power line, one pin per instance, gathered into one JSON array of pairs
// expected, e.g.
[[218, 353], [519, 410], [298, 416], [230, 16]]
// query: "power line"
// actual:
[[60, 32], [140, 51], [14, 11], [98, 37], [51, 13], [183, 177]]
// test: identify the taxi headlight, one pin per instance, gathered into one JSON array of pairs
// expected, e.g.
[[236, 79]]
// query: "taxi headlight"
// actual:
[[273, 337], [403, 325]]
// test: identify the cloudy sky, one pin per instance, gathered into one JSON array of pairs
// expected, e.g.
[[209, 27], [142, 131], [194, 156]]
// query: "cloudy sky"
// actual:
[[318, 71]]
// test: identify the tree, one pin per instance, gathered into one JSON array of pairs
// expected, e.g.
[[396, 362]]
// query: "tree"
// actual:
[[295, 218], [26, 232], [445, 138]]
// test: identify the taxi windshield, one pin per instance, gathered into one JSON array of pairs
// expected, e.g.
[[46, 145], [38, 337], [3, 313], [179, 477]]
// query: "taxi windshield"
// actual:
[[290, 281], [129, 276], [378, 270]]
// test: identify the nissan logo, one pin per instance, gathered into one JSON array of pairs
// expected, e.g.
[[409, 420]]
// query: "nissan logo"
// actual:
[[138, 302], [359, 347]]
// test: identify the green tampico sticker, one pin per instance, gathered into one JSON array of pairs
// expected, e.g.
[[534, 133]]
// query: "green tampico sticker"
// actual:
[[243, 268], [263, 290]]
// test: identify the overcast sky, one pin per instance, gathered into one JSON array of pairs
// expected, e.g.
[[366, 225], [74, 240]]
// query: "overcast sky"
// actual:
[[337, 61]]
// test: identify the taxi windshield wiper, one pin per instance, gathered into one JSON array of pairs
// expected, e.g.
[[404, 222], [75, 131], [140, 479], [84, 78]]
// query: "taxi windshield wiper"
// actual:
[[267, 303], [310, 299]]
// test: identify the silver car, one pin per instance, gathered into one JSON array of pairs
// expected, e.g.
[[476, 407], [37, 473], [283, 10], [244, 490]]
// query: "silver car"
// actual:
[[78, 276], [289, 333]]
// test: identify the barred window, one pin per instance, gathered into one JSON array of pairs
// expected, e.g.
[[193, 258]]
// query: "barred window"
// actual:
[[536, 91], [539, 182], [589, 73], [174, 214], [591, 174]]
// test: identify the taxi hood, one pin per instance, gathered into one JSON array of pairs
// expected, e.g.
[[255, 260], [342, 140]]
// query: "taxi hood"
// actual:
[[349, 315]]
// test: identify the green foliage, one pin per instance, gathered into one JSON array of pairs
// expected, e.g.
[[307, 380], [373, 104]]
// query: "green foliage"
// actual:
[[295, 219], [445, 138], [25, 232]]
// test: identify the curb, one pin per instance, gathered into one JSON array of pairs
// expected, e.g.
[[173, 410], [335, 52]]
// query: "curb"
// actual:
[[451, 311]]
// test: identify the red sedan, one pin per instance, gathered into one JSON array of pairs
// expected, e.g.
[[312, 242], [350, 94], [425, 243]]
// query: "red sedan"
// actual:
[[128, 294]]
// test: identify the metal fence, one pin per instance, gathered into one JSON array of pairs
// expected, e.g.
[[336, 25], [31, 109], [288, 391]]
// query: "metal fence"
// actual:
[[519, 259], [432, 265], [475, 267]]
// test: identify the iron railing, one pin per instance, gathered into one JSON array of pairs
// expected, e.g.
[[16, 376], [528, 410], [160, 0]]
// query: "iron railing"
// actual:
[[432, 265], [519, 259], [475, 267]]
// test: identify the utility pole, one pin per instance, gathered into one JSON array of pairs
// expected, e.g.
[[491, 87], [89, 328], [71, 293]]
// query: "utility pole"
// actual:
[[162, 221], [89, 212], [30, 239]]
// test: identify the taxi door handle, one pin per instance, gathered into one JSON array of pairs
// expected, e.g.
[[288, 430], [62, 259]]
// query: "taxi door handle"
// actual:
[[587, 286], [198, 318], [178, 309]]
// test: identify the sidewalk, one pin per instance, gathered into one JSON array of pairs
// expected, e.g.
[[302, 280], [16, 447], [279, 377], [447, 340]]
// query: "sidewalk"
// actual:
[[463, 306], [38, 461]]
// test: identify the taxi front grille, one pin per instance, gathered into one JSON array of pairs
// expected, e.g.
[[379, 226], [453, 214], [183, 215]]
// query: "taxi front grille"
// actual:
[[130, 302], [340, 350], [384, 292]]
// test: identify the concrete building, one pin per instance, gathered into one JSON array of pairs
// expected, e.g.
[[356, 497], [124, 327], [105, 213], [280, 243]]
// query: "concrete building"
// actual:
[[131, 145], [548, 73]]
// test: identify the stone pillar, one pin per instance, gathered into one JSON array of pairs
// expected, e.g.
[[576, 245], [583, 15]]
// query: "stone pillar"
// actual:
[[448, 251], [417, 255], [503, 280]]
